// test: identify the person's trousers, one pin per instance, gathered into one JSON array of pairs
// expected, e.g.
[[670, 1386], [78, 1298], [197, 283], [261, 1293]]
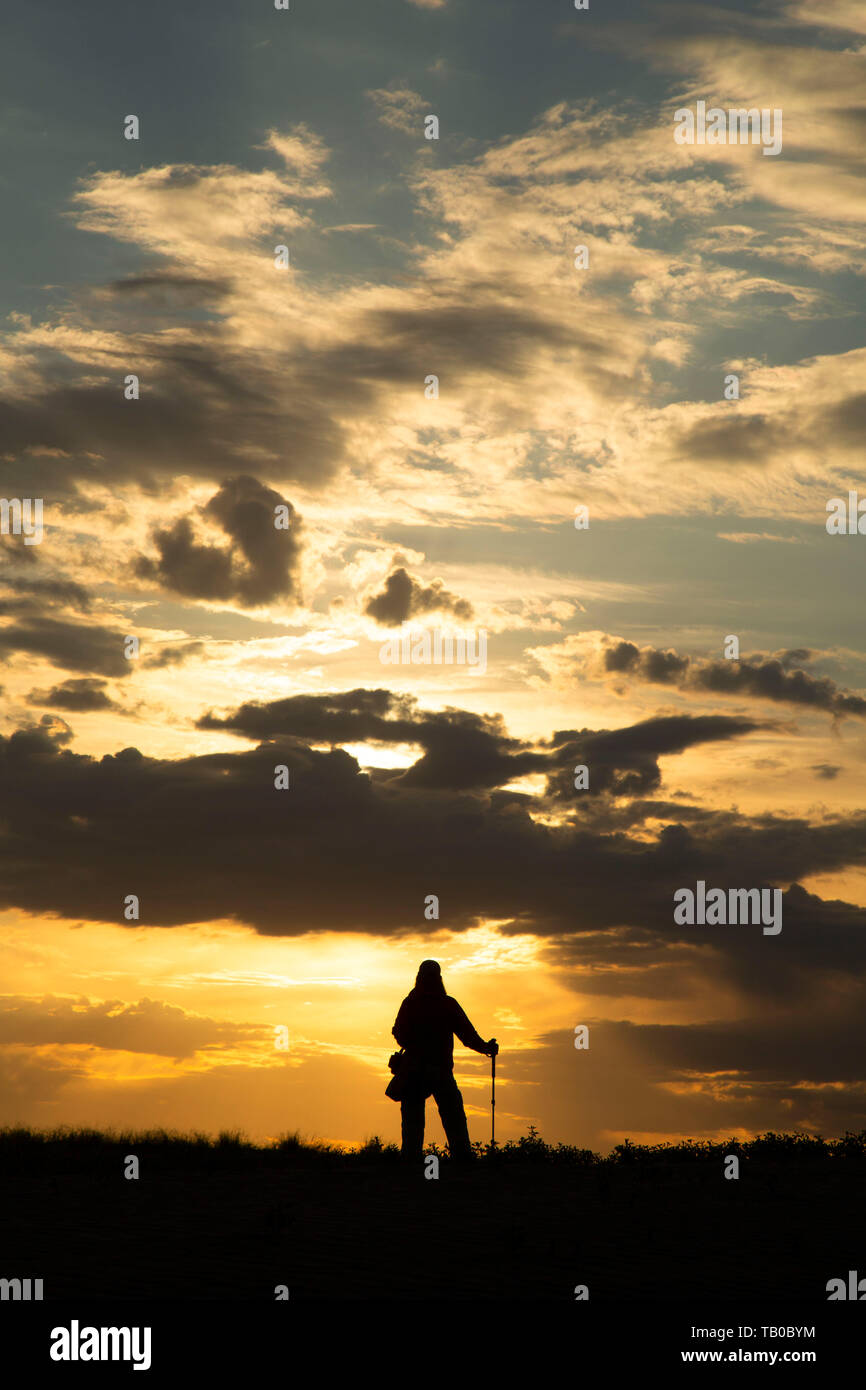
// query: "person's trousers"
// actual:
[[438, 1082]]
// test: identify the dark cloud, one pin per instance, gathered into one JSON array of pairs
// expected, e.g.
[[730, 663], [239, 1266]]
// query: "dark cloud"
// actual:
[[404, 597], [827, 771], [465, 750], [210, 837], [198, 571], [739, 439], [779, 677], [167, 291], [73, 646], [845, 422], [769, 679], [336, 717], [822, 944], [81, 696], [624, 762], [203, 408], [145, 1026], [261, 563], [50, 728], [621, 656], [774, 1074], [172, 655], [207, 406], [825, 1047], [652, 664], [30, 1079], [461, 749], [480, 336], [14, 550], [62, 591], [795, 656]]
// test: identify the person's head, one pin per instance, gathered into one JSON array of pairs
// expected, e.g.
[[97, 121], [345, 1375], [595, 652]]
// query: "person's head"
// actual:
[[429, 978]]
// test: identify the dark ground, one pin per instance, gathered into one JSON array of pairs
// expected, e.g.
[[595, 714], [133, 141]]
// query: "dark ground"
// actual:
[[224, 1220]]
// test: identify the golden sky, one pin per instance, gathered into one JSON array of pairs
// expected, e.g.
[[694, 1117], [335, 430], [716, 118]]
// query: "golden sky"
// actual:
[[305, 386]]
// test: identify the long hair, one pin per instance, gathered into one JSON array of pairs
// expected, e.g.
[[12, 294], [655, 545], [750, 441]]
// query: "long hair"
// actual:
[[429, 978]]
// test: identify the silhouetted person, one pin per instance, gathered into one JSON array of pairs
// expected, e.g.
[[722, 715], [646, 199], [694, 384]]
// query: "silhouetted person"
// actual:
[[425, 1028]]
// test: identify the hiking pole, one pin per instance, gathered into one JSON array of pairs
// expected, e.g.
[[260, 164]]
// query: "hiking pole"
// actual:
[[492, 1095]]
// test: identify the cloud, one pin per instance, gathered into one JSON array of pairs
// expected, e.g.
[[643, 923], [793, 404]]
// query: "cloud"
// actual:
[[745, 537], [625, 762], [209, 207], [210, 837], [817, 87], [168, 290], [744, 438], [72, 646], [714, 1079], [404, 597], [299, 147], [768, 679], [269, 556], [338, 716], [306, 379], [80, 696], [173, 655], [821, 941], [828, 771], [62, 591], [303, 152], [778, 677], [463, 750], [400, 108], [835, 14], [202, 410], [147, 1026]]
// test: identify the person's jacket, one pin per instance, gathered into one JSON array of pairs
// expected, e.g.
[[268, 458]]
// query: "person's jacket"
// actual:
[[425, 1027]]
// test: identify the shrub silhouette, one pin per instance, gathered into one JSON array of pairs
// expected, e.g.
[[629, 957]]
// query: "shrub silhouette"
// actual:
[[65, 1148]]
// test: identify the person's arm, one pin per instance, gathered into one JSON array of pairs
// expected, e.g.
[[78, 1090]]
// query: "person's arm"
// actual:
[[465, 1031], [399, 1029]]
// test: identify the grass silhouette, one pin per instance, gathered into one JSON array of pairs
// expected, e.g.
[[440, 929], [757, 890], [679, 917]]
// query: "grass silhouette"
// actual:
[[219, 1216], [21, 1148]]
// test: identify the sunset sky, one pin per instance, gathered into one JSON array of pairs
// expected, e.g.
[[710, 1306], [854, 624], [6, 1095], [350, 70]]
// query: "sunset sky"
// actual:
[[559, 387]]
